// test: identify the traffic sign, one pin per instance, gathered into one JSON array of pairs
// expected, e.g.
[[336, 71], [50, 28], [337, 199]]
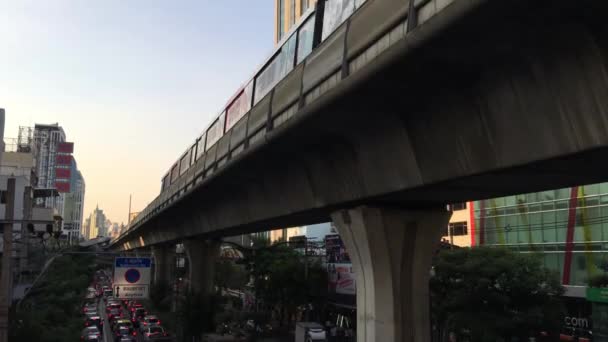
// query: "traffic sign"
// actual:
[[132, 277], [131, 291]]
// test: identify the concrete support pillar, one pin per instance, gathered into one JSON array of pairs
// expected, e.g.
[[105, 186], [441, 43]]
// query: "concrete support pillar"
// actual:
[[391, 252], [202, 256], [164, 264]]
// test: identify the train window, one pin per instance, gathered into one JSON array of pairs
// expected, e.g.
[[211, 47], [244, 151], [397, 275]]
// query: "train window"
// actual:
[[305, 39], [281, 64], [239, 107], [174, 173], [200, 149], [215, 132], [184, 163], [336, 12], [165, 182], [192, 155]]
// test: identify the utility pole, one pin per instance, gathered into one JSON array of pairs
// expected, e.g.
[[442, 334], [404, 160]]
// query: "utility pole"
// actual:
[[129, 218], [5, 279]]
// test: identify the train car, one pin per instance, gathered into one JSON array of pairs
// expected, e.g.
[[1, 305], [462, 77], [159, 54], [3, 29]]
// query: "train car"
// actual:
[[213, 146]]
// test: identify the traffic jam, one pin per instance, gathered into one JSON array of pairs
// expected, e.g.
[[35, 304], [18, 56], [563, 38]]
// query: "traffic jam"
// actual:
[[111, 319]]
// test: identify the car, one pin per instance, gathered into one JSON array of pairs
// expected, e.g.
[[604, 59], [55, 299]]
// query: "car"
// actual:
[[94, 321], [154, 332], [138, 315], [123, 327], [127, 339], [89, 314], [114, 314], [108, 292], [148, 321], [89, 331], [113, 305], [89, 307], [134, 305]]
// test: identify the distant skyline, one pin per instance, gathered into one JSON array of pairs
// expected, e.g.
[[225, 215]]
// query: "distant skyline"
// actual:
[[132, 83]]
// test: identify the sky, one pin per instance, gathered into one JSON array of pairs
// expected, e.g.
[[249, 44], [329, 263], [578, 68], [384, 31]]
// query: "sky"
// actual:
[[132, 83]]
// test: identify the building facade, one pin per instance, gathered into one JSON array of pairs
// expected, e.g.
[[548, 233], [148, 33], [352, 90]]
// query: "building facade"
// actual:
[[458, 232], [47, 139], [73, 205], [96, 224], [568, 230], [287, 13]]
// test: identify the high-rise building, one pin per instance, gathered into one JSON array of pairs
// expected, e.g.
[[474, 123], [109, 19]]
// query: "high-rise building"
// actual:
[[57, 169], [73, 205], [96, 224], [47, 142], [287, 13]]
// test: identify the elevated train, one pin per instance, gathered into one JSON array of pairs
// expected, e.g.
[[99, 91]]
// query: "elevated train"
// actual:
[[332, 39], [292, 50]]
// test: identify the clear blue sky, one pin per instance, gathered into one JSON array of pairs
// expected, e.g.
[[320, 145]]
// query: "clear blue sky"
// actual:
[[131, 82]]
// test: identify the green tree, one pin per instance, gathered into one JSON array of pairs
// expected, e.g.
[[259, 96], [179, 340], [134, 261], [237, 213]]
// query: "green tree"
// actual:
[[494, 294], [229, 275], [282, 283]]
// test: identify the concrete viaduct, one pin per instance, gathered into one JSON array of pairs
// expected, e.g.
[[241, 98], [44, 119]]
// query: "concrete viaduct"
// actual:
[[405, 108]]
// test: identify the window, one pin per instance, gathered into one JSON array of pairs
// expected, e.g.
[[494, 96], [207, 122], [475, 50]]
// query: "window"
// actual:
[[458, 206], [305, 39], [336, 12], [200, 149], [280, 65], [3, 197], [458, 228], [174, 173], [280, 18], [292, 13]]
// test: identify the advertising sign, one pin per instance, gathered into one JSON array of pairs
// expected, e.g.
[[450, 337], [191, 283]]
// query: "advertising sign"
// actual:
[[341, 279], [65, 147], [62, 173], [63, 159], [62, 187], [132, 277]]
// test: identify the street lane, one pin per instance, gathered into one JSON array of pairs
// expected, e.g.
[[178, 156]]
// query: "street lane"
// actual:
[[107, 333]]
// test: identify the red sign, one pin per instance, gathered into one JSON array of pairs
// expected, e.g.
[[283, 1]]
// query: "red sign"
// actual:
[[65, 147], [64, 159], [62, 186], [62, 173]]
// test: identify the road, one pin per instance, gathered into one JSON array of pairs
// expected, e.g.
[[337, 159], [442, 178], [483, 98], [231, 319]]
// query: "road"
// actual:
[[107, 333]]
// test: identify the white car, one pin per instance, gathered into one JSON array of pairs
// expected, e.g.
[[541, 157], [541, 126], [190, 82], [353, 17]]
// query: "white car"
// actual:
[[147, 322], [154, 332]]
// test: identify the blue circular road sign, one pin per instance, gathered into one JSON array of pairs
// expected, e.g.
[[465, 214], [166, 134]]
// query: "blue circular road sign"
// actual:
[[132, 276]]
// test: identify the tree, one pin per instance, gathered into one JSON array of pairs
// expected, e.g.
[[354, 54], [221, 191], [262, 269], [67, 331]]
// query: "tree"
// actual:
[[229, 275], [494, 294], [280, 283]]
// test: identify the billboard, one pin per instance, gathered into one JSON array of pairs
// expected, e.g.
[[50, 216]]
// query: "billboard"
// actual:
[[62, 186], [341, 279], [65, 147], [63, 173], [64, 159]]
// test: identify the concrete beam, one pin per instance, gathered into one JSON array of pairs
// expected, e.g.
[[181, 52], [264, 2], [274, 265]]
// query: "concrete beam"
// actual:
[[391, 251], [202, 255]]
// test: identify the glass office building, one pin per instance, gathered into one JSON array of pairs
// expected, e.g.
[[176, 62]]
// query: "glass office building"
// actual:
[[567, 227]]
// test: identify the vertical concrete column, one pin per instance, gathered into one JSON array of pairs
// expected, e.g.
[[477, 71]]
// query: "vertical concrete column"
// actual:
[[164, 264], [391, 251], [202, 255]]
